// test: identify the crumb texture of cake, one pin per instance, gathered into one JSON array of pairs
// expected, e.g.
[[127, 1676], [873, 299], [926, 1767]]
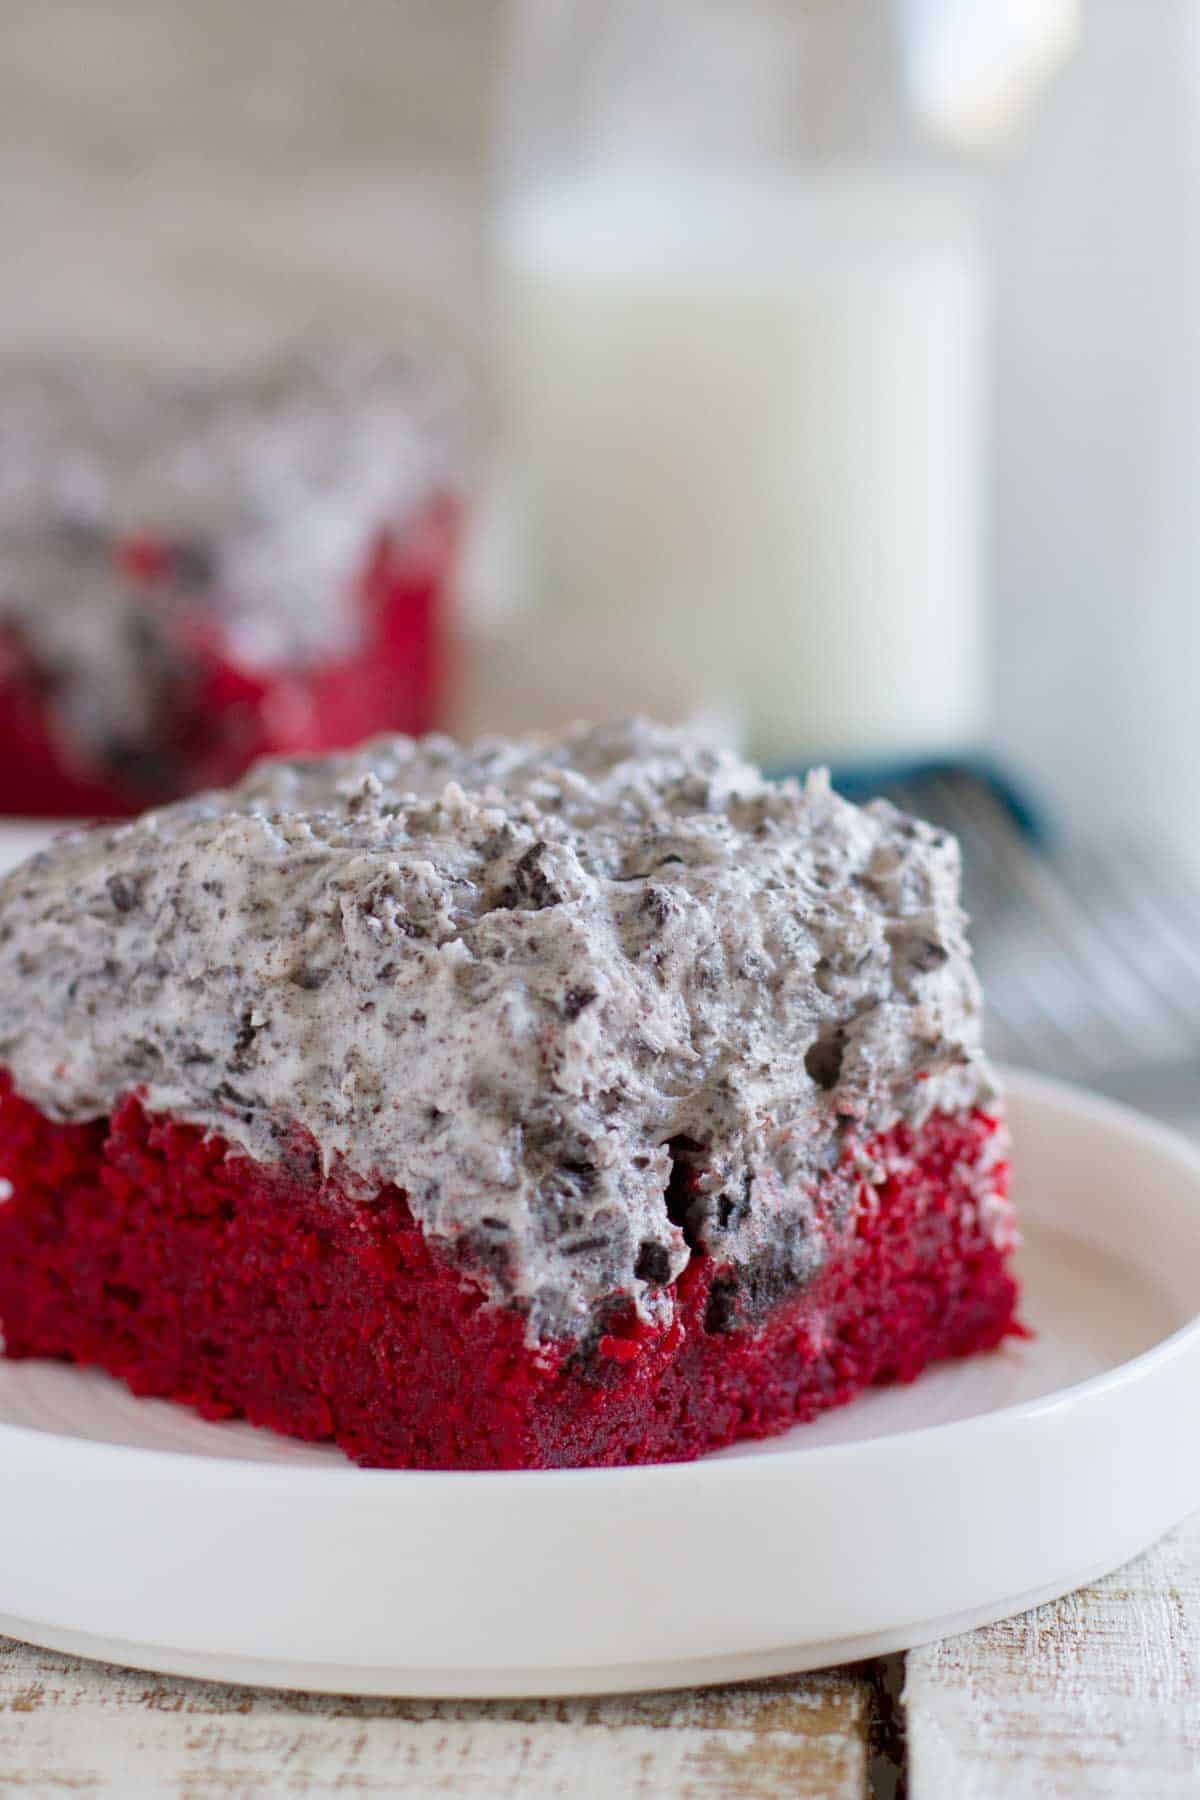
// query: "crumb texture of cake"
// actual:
[[603, 1008], [138, 1245]]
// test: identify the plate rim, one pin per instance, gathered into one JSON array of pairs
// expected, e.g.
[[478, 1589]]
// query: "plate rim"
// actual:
[[502, 1682]]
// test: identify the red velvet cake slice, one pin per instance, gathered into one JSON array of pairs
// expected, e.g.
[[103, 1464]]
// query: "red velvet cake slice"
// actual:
[[196, 572], [541, 1103]]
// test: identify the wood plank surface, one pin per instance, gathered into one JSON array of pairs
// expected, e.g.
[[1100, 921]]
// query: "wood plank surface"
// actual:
[[1097, 1694], [73, 1727]]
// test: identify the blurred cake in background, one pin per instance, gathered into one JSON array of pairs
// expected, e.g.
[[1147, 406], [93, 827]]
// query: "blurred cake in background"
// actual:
[[199, 570]]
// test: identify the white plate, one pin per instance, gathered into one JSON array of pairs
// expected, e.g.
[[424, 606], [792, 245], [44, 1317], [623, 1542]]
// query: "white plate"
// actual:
[[134, 1532]]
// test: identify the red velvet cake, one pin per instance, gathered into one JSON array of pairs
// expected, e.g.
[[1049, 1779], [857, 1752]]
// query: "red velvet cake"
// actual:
[[197, 572], [542, 1103]]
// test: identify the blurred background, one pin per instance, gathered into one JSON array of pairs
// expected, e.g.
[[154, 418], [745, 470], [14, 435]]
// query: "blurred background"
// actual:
[[825, 373]]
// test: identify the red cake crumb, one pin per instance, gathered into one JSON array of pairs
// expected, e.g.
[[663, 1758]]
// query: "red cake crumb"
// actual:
[[141, 1246]]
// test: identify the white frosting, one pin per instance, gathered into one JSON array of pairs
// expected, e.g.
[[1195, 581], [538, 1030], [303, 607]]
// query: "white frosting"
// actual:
[[517, 980]]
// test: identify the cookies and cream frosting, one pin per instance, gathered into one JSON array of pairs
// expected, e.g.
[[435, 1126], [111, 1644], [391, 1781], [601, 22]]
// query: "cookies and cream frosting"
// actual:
[[525, 981]]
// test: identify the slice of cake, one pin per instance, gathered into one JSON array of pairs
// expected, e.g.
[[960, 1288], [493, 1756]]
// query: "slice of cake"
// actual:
[[549, 1102], [197, 571]]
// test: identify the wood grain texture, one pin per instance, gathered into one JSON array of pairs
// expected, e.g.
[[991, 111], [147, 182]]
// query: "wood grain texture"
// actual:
[[1097, 1694], [68, 1726]]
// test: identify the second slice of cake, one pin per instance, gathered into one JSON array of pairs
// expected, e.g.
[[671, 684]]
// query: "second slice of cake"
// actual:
[[196, 570]]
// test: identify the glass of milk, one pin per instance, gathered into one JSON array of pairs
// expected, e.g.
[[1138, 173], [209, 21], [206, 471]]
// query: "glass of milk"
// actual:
[[743, 317]]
